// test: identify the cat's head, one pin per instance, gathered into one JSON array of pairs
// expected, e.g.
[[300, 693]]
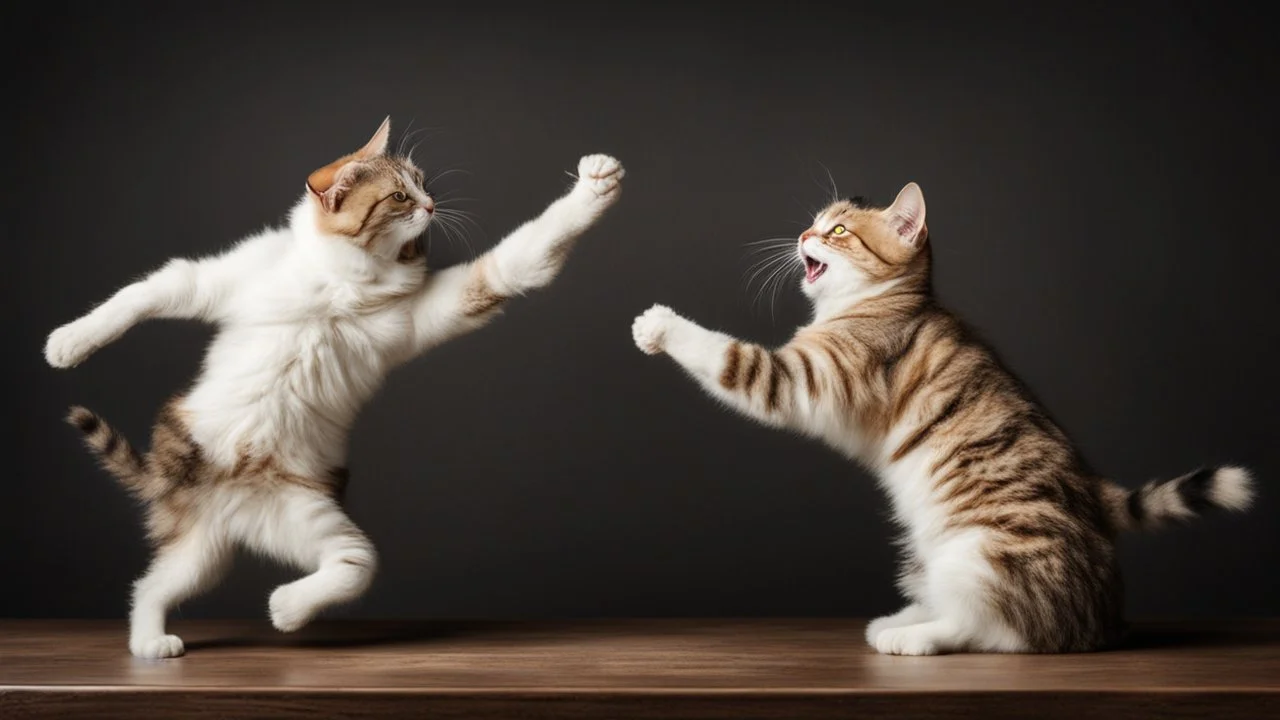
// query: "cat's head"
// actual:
[[374, 200], [852, 248]]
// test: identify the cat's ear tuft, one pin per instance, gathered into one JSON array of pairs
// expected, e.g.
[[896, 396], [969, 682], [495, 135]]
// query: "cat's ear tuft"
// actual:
[[906, 215], [377, 144]]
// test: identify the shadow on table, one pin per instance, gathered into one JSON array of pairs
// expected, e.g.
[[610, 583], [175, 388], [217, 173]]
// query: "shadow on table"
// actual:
[[372, 634]]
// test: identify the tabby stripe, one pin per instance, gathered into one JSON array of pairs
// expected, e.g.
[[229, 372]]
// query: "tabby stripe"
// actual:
[[733, 357], [110, 443], [1137, 509], [1001, 439], [1194, 490], [809, 384], [891, 362], [753, 368], [778, 369], [927, 429], [840, 372]]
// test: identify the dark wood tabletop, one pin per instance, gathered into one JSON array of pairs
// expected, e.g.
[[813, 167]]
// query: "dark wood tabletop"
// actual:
[[621, 668]]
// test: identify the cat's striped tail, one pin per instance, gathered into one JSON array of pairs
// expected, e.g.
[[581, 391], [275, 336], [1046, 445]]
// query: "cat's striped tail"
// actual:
[[1182, 498], [112, 449]]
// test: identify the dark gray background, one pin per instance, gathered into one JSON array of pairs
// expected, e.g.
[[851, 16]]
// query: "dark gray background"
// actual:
[[1100, 185]]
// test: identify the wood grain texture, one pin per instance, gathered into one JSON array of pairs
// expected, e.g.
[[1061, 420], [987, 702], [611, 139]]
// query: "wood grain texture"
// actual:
[[622, 668]]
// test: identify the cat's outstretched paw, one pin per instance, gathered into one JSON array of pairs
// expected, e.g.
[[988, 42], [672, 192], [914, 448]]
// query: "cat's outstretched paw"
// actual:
[[602, 175], [288, 611], [69, 345], [157, 648], [650, 329]]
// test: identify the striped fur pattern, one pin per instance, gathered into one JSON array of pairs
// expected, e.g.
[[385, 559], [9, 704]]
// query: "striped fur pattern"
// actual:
[[1008, 536], [311, 317]]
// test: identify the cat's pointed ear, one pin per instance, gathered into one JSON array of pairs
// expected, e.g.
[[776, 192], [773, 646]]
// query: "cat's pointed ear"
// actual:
[[906, 216], [321, 183], [338, 178], [377, 144]]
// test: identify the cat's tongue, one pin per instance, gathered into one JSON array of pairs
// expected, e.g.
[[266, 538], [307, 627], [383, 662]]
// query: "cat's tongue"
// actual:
[[813, 269]]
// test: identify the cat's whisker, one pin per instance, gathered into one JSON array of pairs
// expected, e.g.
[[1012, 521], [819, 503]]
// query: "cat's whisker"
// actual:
[[774, 284], [835, 192], [462, 217], [408, 133], [440, 174]]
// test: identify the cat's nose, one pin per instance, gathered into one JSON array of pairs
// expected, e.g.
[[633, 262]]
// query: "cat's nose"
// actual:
[[429, 205]]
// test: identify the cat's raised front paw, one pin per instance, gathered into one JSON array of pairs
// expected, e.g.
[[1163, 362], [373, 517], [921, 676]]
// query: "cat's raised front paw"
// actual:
[[69, 345], [156, 648], [650, 329], [602, 175]]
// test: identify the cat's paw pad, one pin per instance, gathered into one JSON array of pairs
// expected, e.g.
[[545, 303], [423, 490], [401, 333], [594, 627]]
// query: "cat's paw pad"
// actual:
[[69, 345], [908, 640], [601, 174], [289, 612], [157, 648], [650, 329]]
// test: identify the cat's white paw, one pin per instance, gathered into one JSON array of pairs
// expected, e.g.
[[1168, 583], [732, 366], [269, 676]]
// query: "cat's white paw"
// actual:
[[157, 648], [650, 329], [875, 627], [907, 640], [70, 344], [602, 175], [289, 612], [909, 615]]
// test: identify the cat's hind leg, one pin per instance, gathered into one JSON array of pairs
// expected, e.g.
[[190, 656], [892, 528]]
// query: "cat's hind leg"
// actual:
[[181, 569], [309, 529], [958, 586]]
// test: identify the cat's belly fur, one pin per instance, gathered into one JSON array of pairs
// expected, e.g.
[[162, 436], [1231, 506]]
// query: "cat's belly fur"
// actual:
[[289, 392]]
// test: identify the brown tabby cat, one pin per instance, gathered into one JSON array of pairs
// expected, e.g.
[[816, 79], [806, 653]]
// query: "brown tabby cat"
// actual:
[[1008, 535]]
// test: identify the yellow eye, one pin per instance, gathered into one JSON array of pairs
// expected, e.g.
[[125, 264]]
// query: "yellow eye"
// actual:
[[399, 196], [837, 230]]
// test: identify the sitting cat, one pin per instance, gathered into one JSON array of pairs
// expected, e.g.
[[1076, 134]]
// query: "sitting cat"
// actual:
[[311, 318], [1008, 535]]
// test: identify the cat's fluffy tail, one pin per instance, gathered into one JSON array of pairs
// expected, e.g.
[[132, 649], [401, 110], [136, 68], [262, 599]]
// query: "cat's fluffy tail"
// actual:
[[115, 452], [1181, 498]]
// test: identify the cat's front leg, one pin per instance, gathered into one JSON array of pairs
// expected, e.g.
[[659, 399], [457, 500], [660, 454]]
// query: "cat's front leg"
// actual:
[[180, 289], [758, 382], [532, 255], [464, 297]]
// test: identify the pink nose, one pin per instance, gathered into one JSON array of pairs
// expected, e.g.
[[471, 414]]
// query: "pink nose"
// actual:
[[429, 205]]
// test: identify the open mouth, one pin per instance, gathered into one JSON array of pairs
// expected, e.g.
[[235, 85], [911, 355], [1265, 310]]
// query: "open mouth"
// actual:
[[813, 269]]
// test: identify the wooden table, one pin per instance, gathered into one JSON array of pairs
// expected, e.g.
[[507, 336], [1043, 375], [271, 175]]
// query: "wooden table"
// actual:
[[621, 668]]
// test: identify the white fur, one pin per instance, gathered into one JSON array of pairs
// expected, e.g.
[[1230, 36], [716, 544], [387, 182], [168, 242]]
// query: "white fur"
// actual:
[[1232, 488], [309, 325]]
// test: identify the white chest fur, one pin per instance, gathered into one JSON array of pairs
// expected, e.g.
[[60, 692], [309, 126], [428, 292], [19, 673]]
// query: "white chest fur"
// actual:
[[305, 349]]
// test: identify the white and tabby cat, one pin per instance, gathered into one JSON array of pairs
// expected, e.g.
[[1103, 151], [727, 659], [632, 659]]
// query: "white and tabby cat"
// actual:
[[311, 318], [1008, 535]]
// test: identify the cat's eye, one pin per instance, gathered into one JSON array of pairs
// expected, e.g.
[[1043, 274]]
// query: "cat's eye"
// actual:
[[399, 196], [837, 230]]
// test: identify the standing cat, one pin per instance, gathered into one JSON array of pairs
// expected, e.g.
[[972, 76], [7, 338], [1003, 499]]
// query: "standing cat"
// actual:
[[311, 318], [1008, 536]]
